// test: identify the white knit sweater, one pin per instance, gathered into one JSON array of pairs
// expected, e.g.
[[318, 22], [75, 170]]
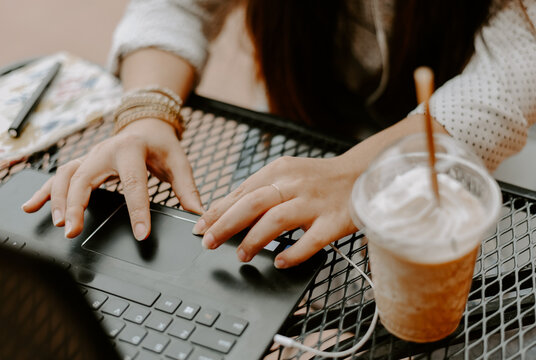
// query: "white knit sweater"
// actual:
[[489, 106]]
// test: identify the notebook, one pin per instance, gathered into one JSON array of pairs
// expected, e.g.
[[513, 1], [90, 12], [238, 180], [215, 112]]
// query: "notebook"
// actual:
[[162, 298], [80, 94]]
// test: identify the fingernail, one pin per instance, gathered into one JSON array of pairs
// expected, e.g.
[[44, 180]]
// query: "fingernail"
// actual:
[[68, 228], [56, 216], [140, 231], [280, 264], [208, 241], [24, 205], [242, 256], [199, 227]]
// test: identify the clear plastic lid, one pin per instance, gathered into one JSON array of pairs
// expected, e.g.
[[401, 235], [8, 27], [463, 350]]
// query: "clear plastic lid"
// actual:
[[453, 161]]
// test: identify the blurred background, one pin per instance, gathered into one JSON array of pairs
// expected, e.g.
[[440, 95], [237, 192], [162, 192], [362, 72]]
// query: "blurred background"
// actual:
[[84, 28], [35, 27]]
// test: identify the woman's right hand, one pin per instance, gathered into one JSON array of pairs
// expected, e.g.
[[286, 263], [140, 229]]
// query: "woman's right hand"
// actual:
[[148, 144]]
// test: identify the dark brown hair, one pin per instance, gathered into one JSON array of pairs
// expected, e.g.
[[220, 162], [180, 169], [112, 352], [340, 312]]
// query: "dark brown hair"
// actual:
[[295, 42]]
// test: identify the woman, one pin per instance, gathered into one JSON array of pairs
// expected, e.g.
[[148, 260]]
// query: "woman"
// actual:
[[345, 60]]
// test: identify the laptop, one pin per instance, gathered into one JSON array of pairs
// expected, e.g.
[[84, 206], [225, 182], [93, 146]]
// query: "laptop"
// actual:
[[116, 298]]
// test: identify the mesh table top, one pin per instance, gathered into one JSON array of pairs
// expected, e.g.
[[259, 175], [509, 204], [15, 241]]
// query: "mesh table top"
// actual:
[[226, 144]]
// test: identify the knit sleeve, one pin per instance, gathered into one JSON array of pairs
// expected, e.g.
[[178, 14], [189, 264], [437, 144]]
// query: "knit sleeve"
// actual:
[[491, 105], [177, 26]]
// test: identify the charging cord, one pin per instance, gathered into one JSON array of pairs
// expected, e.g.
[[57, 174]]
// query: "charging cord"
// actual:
[[291, 343]]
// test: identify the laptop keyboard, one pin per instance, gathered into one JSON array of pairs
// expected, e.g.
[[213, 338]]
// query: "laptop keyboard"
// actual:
[[168, 328], [171, 328]]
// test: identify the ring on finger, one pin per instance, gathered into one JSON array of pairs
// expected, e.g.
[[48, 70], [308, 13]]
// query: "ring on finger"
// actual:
[[279, 192]]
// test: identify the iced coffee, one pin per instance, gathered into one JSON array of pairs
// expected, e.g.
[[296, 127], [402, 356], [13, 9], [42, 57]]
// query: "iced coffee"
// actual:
[[422, 252]]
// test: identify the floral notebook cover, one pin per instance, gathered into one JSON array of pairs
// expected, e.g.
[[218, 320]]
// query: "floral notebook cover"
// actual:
[[80, 94]]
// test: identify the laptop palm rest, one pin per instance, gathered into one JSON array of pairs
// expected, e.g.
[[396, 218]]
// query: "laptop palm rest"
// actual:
[[170, 247]]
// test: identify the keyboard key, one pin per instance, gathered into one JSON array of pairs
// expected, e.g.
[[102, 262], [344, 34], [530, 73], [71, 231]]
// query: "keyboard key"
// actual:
[[213, 339], [15, 244], [181, 329], [148, 355], [120, 288], [155, 342], [188, 310], [207, 317], [132, 334], [202, 354], [96, 299], [113, 326], [127, 352], [98, 315], [115, 307], [136, 314], [178, 350], [231, 324], [168, 304], [158, 321], [64, 264]]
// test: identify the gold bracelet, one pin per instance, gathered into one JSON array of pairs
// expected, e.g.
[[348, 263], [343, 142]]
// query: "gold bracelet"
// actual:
[[138, 107], [131, 116], [148, 99], [164, 91], [149, 102]]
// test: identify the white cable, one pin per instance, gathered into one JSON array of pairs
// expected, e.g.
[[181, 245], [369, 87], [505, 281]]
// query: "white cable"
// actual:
[[291, 343]]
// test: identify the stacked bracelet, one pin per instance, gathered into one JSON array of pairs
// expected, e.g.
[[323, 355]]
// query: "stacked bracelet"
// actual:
[[149, 102]]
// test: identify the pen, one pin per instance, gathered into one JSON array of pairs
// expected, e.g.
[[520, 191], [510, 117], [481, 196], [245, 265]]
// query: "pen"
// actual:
[[16, 127], [15, 66]]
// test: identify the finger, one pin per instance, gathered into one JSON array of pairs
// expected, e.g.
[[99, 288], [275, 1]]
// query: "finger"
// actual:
[[218, 208], [60, 189], [255, 181], [319, 235], [283, 217], [89, 176], [183, 182], [133, 175], [39, 198], [240, 215]]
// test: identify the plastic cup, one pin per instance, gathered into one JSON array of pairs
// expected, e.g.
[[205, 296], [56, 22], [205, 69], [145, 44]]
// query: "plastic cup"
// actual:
[[422, 281]]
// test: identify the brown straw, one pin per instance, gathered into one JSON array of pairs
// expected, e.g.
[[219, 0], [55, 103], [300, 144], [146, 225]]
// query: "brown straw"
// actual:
[[424, 84]]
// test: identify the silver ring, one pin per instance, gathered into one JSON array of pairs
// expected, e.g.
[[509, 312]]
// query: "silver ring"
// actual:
[[279, 191]]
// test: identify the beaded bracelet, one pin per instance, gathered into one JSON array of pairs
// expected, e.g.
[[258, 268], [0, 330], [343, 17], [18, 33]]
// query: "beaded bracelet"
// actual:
[[149, 102], [130, 117], [146, 106], [143, 99]]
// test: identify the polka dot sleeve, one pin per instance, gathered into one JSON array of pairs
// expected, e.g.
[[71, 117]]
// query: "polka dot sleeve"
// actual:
[[493, 102]]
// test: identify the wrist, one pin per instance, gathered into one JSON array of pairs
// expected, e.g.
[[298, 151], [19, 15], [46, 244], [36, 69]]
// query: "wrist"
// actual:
[[148, 126], [361, 155]]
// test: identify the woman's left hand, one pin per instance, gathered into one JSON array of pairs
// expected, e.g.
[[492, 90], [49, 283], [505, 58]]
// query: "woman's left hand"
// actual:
[[286, 194]]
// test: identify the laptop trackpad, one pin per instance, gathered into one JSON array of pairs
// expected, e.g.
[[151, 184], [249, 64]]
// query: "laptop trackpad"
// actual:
[[170, 247]]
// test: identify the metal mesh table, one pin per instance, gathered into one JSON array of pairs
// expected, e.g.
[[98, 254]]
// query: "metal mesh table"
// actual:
[[226, 144]]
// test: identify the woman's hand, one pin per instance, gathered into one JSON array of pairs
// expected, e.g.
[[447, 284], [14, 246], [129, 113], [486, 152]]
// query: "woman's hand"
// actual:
[[313, 194], [148, 144], [289, 193]]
